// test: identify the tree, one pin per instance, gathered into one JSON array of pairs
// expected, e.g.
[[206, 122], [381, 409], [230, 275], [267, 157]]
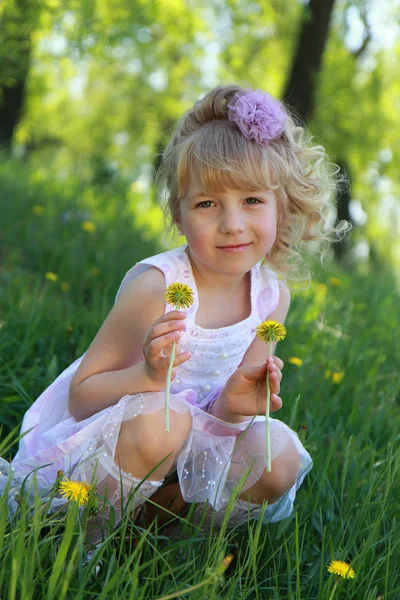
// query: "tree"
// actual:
[[17, 21]]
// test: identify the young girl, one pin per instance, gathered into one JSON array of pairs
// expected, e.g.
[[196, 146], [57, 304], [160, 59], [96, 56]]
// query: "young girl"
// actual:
[[247, 191]]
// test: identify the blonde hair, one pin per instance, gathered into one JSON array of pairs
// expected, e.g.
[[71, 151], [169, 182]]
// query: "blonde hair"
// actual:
[[209, 149]]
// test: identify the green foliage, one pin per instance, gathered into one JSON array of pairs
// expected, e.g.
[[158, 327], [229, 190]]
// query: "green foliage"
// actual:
[[347, 509]]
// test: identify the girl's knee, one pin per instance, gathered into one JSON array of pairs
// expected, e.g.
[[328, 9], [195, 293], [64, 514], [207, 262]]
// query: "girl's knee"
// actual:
[[146, 435], [284, 473]]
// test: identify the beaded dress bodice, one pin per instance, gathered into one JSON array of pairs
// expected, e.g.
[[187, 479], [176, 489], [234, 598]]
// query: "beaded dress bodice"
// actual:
[[216, 353]]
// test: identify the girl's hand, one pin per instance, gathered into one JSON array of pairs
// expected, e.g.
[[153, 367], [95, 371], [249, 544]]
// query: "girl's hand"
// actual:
[[157, 345], [245, 392]]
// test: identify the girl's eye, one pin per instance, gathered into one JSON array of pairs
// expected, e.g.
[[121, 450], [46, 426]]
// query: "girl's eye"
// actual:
[[201, 204], [204, 202]]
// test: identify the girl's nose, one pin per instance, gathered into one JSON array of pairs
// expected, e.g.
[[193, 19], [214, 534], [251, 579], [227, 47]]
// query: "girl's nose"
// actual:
[[231, 222]]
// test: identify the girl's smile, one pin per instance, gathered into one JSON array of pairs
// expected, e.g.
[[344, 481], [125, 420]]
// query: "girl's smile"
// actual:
[[234, 249]]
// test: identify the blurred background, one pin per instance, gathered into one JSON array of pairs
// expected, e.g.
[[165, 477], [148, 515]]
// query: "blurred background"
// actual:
[[89, 91]]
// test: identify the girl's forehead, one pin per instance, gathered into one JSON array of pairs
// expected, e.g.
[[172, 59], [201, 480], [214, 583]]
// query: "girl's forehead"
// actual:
[[198, 177]]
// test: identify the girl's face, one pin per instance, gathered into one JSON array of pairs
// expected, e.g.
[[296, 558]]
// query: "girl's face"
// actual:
[[214, 223]]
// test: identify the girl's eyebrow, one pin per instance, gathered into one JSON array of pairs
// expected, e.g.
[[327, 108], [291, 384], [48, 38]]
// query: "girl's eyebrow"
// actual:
[[199, 195], [245, 192]]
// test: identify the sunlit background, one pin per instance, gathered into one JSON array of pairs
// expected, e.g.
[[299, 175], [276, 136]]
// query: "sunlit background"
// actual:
[[105, 81]]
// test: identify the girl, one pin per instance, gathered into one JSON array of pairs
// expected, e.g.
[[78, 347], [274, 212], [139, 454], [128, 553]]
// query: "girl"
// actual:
[[247, 191]]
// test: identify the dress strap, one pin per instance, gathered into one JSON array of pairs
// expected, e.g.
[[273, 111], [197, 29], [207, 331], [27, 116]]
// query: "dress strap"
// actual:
[[266, 291]]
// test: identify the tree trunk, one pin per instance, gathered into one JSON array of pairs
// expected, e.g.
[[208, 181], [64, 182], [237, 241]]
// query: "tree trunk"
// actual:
[[17, 22], [12, 100], [343, 198], [300, 88]]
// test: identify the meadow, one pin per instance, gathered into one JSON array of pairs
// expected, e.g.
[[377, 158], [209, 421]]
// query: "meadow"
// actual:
[[64, 250]]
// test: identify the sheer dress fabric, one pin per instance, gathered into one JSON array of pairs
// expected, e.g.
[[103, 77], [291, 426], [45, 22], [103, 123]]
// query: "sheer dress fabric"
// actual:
[[215, 456]]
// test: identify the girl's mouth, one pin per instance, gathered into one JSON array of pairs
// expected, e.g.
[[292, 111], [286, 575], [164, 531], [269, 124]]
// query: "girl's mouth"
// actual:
[[233, 249]]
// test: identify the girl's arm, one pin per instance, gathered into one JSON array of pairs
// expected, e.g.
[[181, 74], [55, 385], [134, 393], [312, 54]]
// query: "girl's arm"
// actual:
[[111, 367]]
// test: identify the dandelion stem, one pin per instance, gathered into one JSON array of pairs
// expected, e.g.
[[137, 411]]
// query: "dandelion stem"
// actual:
[[189, 589], [333, 591], [167, 386], [267, 423]]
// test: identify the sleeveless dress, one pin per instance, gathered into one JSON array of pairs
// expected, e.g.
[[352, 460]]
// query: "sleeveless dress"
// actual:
[[216, 455]]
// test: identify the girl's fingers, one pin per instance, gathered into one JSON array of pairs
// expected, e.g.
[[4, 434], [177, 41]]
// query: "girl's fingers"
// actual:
[[158, 344], [274, 383], [276, 403], [178, 360], [167, 327], [174, 315], [272, 368], [276, 361], [181, 358]]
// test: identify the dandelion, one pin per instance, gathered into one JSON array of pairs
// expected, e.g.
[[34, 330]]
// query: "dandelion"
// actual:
[[338, 567], [138, 186], [335, 281], [65, 287], [69, 329], [51, 276], [337, 377], [94, 272], [269, 332], [322, 288], [293, 360], [88, 226], [75, 490], [179, 296], [38, 210]]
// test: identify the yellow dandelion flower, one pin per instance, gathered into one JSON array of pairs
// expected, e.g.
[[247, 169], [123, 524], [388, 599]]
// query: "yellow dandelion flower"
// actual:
[[271, 331], [65, 287], [293, 360], [335, 281], [88, 226], [222, 567], [69, 329], [322, 288], [179, 295], [51, 276], [75, 490], [337, 377], [38, 210], [138, 186], [341, 568], [95, 272]]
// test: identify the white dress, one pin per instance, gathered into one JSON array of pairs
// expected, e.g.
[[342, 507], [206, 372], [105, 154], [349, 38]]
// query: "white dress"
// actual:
[[214, 457]]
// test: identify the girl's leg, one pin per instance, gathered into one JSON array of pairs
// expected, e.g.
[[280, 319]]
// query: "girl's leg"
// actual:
[[143, 443], [167, 496], [272, 486]]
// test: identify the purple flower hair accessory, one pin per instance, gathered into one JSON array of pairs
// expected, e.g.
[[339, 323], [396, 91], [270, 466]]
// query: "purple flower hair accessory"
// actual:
[[258, 115]]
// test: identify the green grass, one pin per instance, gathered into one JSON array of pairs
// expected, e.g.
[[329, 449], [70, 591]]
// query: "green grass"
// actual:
[[348, 507]]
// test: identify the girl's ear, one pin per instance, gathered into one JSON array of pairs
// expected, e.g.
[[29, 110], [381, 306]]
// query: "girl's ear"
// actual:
[[178, 225]]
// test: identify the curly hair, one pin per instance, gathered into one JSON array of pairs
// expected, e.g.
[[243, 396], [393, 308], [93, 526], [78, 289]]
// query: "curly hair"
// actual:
[[209, 149]]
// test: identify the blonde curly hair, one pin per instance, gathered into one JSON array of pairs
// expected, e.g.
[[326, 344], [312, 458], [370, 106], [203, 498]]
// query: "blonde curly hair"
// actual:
[[209, 149]]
